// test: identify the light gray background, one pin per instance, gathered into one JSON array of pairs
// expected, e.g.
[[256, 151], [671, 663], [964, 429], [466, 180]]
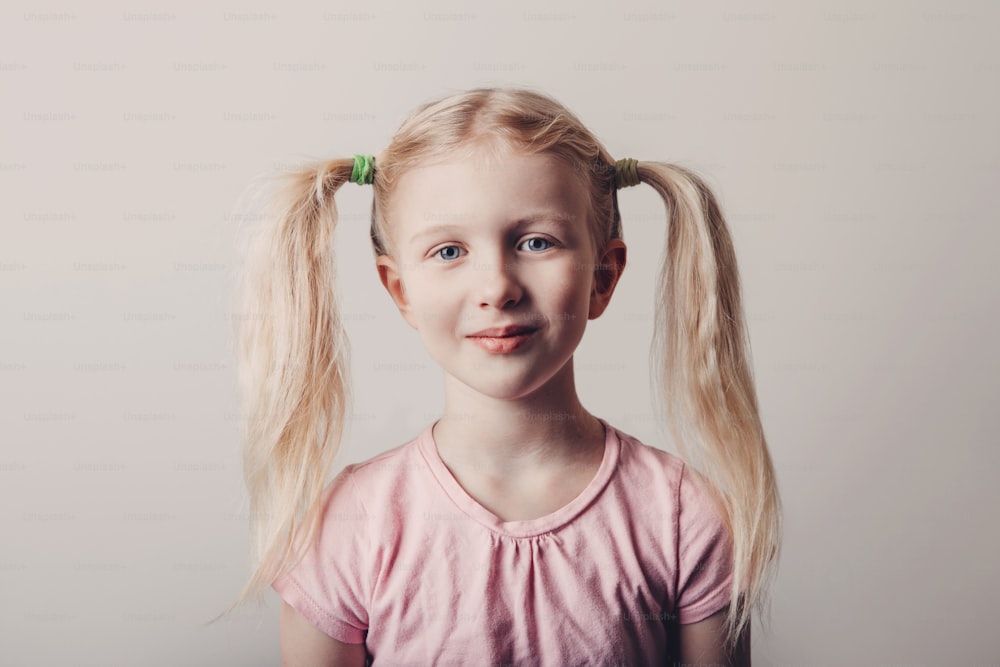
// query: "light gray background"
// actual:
[[853, 146]]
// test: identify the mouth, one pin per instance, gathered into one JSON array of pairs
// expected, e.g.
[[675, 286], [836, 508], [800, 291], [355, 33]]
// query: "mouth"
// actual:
[[507, 340], [504, 332]]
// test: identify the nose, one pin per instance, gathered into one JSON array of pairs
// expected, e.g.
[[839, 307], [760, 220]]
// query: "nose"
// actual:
[[499, 284]]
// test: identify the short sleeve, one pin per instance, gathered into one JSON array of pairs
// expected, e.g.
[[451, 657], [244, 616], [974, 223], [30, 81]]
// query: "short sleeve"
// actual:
[[705, 554], [329, 586]]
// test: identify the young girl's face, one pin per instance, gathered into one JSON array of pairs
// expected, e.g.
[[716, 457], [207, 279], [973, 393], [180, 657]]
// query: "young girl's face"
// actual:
[[482, 245]]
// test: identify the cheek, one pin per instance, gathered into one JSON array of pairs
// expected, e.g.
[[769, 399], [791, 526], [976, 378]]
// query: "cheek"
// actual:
[[432, 300], [574, 289]]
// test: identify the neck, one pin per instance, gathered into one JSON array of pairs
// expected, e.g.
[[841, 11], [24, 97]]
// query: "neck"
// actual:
[[504, 438]]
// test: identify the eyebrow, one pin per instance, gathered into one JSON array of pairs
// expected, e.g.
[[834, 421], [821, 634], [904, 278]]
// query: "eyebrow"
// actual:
[[560, 219]]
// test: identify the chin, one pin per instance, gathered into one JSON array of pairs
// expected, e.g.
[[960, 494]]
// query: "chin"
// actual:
[[509, 389]]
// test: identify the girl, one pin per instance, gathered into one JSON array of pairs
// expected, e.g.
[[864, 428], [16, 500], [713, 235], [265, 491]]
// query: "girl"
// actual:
[[518, 528]]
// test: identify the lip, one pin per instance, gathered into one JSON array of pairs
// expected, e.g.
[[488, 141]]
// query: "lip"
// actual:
[[504, 332], [504, 344]]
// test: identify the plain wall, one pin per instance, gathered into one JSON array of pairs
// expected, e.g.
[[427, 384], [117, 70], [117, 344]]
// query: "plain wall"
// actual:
[[853, 147]]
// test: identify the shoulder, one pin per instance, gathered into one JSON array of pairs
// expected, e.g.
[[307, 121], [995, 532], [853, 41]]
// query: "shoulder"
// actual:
[[387, 466], [645, 490], [360, 504], [651, 468], [384, 481], [643, 466], [635, 447]]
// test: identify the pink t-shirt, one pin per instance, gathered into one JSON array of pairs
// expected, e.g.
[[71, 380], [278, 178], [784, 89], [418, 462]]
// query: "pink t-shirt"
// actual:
[[410, 564]]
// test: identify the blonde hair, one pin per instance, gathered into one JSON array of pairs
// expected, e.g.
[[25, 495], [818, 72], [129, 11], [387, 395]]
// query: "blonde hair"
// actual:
[[294, 355]]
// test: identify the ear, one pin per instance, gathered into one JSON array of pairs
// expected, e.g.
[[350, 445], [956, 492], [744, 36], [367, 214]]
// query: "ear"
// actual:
[[610, 267], [392, 280]]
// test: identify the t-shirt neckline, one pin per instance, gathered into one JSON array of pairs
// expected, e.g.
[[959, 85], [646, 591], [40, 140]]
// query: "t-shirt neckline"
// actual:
[[525, 527]]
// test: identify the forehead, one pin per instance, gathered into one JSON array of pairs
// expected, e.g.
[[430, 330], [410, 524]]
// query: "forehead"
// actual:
[[481, 188]]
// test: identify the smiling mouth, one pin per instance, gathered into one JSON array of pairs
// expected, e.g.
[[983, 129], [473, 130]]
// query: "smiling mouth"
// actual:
[[504, 344], [504, 332]]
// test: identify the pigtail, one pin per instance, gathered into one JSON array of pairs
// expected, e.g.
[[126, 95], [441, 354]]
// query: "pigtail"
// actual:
[[293, 359], [702, 374]]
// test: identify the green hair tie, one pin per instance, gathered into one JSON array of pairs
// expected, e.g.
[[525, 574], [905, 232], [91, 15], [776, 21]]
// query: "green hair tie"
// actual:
[[363, 172], [625, 173]]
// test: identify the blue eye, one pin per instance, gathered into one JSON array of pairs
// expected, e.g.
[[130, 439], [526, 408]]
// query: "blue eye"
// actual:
[[447, 247], [539, 238]]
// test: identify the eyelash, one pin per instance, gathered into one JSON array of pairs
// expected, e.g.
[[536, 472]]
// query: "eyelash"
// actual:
[[533, 238]]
